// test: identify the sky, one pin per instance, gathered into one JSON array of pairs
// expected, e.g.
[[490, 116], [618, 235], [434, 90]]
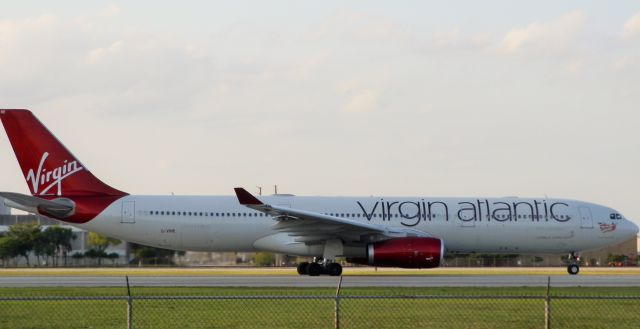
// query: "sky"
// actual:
[[395, 98]]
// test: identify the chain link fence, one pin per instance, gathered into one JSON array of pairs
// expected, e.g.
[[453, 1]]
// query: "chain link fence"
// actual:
[[320, 308]]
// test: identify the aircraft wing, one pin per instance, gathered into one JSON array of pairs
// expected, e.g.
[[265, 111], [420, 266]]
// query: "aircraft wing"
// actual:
[[32, 204], [310, 226]]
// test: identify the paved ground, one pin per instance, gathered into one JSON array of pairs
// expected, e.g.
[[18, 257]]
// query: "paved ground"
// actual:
[[324, 281]]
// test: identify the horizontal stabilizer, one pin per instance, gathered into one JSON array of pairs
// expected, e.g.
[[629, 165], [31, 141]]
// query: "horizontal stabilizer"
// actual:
[[58, 208]]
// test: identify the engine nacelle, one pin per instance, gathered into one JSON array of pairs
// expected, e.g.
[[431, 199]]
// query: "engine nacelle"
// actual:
[[411, 252]]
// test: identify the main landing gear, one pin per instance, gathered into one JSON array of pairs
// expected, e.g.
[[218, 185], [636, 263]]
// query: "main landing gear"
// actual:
[[316, 268], [573, 268]]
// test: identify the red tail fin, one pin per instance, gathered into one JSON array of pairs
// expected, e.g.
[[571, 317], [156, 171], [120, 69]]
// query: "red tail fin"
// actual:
[[48, 167]]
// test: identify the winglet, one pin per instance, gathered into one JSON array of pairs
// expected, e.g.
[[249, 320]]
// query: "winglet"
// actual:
[[246, 198]]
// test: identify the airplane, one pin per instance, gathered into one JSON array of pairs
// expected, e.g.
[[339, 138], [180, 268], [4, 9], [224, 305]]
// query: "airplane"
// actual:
[[406, 232]]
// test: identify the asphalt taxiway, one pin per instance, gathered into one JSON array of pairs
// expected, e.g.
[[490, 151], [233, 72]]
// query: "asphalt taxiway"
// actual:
[[326, 281]]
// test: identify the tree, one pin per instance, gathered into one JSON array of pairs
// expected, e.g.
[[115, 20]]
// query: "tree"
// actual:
[[25, 238], [113, 257], [8, 248], [616, 260], [536, 259], [43, 247], [95, 253], [59, 239], [77, 256], [264, 259], [99, 243], [150, 255]]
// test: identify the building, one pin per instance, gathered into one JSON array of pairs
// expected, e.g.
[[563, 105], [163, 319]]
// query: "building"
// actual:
[[78, 245]]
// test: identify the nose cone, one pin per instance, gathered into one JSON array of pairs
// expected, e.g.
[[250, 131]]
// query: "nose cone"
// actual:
[[630, 228], [634, 228]]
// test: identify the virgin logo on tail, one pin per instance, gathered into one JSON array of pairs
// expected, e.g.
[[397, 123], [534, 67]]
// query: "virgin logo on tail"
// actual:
[[43, 180]]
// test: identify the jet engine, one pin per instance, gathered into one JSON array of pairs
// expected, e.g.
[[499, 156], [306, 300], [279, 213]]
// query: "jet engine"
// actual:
[[410, 252]]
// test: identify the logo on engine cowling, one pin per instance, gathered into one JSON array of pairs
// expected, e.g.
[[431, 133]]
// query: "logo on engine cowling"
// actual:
[[43, 180]]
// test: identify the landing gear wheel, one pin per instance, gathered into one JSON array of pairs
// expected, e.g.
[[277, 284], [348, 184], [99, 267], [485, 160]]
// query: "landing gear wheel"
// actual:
[[334, 269], [302, 268], [573, 269], [314, 269]]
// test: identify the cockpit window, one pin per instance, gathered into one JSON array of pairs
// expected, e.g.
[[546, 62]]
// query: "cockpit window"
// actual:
[[615, 216]]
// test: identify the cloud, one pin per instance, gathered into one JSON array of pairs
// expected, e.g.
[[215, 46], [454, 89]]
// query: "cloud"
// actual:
[[89, 57], [362, 95], [359, 25], [455, 40], [632, 26], [546, 37], [111, 10], [574, 66], [362, 101]]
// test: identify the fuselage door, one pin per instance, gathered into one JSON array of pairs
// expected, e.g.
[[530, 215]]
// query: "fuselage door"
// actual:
[[128, 212], [586, 221]]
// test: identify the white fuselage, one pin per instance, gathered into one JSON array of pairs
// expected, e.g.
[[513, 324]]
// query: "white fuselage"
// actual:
[[491, 225]]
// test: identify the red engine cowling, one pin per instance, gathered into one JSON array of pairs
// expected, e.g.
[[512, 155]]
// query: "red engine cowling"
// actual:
[[412, 252]]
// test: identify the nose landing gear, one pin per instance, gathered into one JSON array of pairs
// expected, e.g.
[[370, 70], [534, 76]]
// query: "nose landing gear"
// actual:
[[573, 268]]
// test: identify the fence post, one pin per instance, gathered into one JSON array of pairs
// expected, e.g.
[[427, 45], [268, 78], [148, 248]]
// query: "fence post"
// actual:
[[129, 306], [547, 306], [337, 305]]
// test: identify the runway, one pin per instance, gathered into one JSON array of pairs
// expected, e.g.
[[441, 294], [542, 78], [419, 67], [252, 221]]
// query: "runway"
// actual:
[[325, 281]]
